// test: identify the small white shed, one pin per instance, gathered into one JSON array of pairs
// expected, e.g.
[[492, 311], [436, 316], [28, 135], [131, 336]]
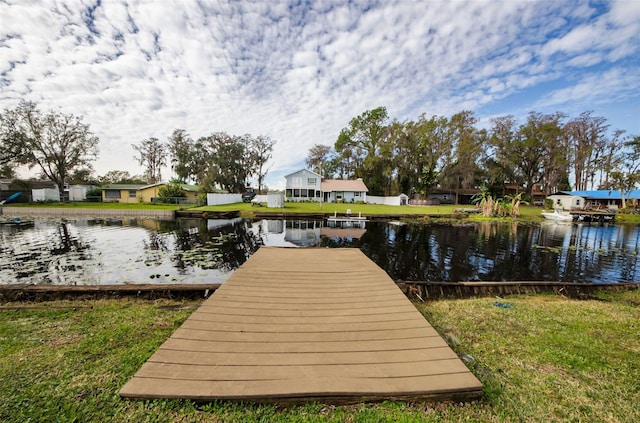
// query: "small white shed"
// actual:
[[45, 194], [566, 201], [78, 192], [275, 200]]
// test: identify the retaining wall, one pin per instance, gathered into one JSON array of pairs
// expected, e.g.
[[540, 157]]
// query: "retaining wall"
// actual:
[[69, 211], [436, 290]]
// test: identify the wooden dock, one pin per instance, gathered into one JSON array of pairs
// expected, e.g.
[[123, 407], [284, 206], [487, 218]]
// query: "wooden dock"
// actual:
[[294, 325], [594, 216]]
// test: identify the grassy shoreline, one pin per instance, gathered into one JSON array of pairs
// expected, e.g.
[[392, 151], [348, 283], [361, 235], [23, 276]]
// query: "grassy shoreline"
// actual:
[[540, 358], [246, 210]]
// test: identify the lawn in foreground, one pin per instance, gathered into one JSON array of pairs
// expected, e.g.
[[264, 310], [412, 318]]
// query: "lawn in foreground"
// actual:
[[540, 358]]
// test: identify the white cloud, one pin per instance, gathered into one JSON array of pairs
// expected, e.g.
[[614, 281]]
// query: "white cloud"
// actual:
[[299, 72]]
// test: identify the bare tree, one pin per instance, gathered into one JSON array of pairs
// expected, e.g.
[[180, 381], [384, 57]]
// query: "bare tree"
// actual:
[[586, 140], [261, 149], [152, 155]]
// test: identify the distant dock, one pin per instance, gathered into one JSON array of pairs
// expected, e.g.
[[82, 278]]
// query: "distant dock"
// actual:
[[593, 216]]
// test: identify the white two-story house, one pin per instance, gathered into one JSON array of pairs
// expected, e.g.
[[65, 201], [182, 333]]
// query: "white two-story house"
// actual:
[[305, 185]]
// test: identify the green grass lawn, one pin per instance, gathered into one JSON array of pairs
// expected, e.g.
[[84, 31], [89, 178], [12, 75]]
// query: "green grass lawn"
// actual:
[[544, 359], [330, 208], [527, 213]]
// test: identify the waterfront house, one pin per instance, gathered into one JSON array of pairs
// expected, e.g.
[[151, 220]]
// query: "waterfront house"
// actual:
[[303, 185], [306, 185], [148, 193], [344, 190], [121, 193], [597, 199]]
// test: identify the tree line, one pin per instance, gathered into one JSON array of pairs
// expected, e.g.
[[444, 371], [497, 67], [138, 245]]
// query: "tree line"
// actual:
[[63, 148], [553, 151], [217, 161]]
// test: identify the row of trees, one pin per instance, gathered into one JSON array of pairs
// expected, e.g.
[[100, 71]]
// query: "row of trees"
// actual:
[[63, 148], [416, 156], [413, 157], [216, 161]]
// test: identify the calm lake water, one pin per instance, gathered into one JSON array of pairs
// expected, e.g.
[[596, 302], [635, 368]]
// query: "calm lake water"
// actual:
[[109, 251]]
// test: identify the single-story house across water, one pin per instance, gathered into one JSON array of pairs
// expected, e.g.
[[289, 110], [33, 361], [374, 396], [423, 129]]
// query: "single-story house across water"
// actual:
[[149, 193], [121, 193], [599, 199], [139, 193]]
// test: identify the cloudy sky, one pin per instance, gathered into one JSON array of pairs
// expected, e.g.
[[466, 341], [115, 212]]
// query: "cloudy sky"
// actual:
[[299, 71]]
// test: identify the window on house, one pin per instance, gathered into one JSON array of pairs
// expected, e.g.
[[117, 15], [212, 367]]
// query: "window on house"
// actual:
[[356, 194], [311, 193], [289, 193], [132, 194], [339, 195], [112, 193], [311, 181], [296, 193]]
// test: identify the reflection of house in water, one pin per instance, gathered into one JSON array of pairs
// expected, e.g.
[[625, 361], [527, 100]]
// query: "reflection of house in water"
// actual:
[[344, 229], [344, 233], [220, 223], [304, 233], [275, 226], [309, 233]]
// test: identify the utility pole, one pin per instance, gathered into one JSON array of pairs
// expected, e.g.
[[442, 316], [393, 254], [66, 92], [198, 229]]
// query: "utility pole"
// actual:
[[321, 192]]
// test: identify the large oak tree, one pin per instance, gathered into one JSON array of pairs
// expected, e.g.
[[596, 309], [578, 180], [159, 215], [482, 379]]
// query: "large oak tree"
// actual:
[[56, 143]]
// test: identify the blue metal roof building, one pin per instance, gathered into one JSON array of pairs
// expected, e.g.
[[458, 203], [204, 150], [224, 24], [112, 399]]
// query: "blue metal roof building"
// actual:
[[604, 194]]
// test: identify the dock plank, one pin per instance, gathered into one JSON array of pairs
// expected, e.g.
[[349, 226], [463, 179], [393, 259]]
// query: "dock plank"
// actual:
[[295, 325]]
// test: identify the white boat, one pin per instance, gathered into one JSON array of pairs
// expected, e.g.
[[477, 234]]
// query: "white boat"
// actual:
[[558, 215]]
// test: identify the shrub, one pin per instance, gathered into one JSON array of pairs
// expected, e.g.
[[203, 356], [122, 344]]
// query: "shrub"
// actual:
[[171, 190]]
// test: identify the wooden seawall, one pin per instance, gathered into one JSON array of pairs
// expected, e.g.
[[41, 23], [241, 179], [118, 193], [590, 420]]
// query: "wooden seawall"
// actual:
[[296, 325]]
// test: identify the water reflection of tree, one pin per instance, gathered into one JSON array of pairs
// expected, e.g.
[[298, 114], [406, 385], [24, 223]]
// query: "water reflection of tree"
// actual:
[[157, 242], [66, 242], [629, 239], [465, 252], [602, 254], [225, 247], [68, 252]]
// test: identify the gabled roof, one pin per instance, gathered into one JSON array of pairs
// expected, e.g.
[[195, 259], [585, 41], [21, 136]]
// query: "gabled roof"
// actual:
[[122, 186], [24, 184], [185, 187], [603, 194], [355, 185], [302, 170]]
